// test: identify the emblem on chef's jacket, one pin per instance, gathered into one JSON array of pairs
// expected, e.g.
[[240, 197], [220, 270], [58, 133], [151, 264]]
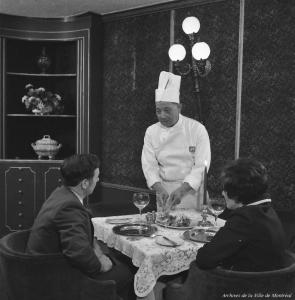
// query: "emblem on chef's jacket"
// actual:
[[192, 149]]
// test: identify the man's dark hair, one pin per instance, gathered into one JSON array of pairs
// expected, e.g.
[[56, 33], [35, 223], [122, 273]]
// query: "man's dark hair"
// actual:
[[245, 180], [78, 167]]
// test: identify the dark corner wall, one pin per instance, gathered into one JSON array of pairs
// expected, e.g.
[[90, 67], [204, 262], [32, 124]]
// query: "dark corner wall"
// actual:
[[268, 99], [135, 52]]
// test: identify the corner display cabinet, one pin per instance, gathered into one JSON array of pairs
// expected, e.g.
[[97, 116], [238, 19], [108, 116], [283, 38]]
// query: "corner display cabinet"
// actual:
[[50, 86]]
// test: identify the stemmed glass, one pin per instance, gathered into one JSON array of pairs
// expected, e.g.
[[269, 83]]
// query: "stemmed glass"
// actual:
[[216, 205], [141, 200]]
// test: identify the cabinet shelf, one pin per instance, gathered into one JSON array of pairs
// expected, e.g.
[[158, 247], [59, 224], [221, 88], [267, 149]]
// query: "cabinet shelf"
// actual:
[[69, 73], [41, 74], [40, 116]]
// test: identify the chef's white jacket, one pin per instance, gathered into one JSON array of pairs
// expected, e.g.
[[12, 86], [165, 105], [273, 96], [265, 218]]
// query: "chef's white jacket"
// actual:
[[177, 153]]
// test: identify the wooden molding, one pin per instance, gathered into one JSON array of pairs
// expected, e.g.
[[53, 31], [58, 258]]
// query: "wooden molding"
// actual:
[[154, 9], [124, 187]]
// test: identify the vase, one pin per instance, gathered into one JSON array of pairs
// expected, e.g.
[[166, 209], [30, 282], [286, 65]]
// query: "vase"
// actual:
[[43, 61], [46, 110]]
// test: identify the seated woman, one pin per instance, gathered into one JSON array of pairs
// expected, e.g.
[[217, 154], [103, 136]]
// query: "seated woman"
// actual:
[[253, 238]]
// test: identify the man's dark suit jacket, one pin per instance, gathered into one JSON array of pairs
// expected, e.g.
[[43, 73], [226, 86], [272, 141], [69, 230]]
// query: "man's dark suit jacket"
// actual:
[[63, 225], [252, 239]]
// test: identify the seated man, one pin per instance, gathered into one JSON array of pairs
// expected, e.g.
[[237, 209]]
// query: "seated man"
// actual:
[[64, 225], [253, 238]]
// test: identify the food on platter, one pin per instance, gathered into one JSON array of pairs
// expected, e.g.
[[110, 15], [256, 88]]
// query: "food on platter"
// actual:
[[174, 221]]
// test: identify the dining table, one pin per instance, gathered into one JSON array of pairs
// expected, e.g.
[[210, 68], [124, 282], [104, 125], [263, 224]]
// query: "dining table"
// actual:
[[153, 257]]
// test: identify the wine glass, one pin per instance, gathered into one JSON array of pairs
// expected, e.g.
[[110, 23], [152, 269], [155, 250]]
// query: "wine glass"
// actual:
[[216, 205], [141, 200]]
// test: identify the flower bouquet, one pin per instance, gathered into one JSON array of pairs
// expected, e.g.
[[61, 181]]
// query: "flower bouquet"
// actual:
[[41, 102]]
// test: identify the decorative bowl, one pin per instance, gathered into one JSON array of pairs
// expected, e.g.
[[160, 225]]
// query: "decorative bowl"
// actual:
[[46, 147]]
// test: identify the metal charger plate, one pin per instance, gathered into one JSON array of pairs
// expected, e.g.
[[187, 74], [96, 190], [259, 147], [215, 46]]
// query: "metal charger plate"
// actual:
[[135, 229], [199, 235]]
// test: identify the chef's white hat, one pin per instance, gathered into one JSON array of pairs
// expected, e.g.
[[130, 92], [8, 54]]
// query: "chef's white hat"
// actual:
[[168, 87]]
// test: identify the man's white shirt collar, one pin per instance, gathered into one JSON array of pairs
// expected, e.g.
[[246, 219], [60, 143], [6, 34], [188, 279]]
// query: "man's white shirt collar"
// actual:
[[78, 196], [259, 202]]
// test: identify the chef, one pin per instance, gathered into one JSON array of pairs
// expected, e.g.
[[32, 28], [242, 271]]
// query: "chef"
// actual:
[[176, 150]]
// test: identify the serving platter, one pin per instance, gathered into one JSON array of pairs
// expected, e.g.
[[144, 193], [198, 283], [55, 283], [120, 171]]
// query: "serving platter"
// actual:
[[180, 222], [135, 229], [174, 227]]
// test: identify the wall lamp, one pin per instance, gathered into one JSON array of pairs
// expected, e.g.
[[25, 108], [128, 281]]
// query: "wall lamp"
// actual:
[[200, 51]]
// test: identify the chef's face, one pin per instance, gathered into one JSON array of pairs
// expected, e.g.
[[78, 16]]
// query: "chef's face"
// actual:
[[167, 113]]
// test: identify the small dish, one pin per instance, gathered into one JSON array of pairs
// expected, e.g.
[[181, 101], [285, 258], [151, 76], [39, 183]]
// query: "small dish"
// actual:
[[169, 242]]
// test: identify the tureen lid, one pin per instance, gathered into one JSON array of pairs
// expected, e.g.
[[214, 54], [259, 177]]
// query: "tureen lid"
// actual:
[[46, 140]]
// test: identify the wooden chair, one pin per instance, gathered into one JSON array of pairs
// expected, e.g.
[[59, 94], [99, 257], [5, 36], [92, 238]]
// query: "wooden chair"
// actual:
[[219, 284], [46, 276]]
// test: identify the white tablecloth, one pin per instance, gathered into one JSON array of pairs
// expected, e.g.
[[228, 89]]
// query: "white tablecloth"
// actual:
[[151, 259]]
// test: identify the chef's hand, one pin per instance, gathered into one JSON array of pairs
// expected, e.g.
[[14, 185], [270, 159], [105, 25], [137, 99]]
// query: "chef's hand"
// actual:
[[179, 193], [162, 194]]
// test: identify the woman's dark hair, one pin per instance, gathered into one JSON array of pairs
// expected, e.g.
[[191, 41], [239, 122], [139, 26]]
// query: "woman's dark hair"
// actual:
[[245, 180], [78, 167]]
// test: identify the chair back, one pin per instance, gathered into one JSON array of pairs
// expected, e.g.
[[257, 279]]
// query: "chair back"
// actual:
[[219, 284], [45, 276]]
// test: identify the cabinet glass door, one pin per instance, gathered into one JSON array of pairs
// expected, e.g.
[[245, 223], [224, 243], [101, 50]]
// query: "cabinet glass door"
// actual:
[[40, 96]]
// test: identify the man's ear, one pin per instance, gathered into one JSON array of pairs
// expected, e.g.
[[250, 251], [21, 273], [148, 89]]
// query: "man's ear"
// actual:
[[84, 184]]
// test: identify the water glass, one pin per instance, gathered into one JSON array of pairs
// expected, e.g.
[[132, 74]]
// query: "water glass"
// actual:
[[141, 200], [163, 208]]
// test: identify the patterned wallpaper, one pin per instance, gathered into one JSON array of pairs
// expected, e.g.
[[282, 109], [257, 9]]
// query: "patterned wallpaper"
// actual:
[[219, 29], [268, 107], [135, 51]]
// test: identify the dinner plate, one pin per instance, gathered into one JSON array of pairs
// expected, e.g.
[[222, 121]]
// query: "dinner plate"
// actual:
[[135, 229], [118, 220], [174, 227], [169, 241], [199, 235]]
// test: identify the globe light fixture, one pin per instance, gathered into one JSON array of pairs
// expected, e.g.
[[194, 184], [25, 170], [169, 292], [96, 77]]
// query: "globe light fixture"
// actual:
[[177, 52], [199, 64], [191, 25], [200, 51]]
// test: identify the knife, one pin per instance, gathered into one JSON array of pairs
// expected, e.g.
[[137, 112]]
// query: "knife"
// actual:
[[170, 241]]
